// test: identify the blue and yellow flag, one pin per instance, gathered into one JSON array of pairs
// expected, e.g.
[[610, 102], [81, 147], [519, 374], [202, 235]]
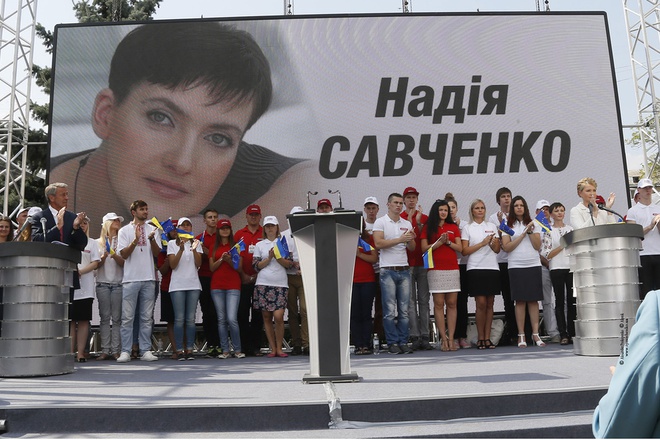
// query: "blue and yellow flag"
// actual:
[[166, 226], [541, 220], [235, 252], [428, 258], [184, 235], [506, 229], [281, 249], [108, 248], [364, 245]]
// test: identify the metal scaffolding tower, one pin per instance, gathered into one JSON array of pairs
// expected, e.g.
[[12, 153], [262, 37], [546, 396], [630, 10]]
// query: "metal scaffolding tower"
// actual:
[[17, 33], [643, 25]]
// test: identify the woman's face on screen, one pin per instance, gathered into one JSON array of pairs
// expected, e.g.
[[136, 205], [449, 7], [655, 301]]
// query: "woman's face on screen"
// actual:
[[172, 147]]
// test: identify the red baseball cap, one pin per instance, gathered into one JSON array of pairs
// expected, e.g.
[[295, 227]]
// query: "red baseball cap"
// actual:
[[253, 209], [410, 190], [324, 202], [224, 223]]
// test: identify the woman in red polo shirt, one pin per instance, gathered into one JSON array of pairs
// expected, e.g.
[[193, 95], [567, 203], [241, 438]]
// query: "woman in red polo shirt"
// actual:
[[443, 236], [226, 289], [364, 292]]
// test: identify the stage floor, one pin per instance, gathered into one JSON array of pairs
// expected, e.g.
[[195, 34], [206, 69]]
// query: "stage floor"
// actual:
[[389, 384]]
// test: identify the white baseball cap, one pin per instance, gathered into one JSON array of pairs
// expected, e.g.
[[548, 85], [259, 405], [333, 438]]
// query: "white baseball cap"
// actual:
[[371, 199], [644, 183], [112, 216], [270, 220], [542, 203]]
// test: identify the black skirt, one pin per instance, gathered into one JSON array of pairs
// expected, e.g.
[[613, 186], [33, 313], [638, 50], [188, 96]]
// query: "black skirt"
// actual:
[[81, 310], [483, 282], [526, 284]]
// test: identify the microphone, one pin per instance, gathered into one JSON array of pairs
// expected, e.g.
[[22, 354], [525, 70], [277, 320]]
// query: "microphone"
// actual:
[[601, 206], [338, 195], [313, 193], [43, 226]]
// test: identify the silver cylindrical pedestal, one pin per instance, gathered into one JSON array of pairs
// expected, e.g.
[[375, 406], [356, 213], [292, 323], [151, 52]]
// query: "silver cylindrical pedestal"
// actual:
[[604, 261], [35, 280]]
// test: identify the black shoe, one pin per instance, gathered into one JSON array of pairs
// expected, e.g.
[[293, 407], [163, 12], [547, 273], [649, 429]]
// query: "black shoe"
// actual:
[[425, 345], [394, 349], [415, 343], [405, 349], [305, 351], [296, 351]]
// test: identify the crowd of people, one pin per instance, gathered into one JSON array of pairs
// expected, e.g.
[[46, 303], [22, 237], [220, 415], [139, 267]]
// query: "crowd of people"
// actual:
[[406, 260]]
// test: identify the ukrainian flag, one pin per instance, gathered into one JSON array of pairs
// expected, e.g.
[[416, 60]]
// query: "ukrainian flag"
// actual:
[[184, 235], [281, 249], [364, 245], [108, 248], [428, 259]]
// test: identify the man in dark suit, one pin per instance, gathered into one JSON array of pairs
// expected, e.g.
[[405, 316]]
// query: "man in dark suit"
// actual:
[[61, 225]]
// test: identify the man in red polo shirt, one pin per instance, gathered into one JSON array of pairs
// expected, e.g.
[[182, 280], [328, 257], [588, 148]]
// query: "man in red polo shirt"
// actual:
[[251, 329], [209, 315], [419, 313]]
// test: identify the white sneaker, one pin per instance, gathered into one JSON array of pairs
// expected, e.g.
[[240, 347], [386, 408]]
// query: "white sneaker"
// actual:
[[148, 356], [124, 357]]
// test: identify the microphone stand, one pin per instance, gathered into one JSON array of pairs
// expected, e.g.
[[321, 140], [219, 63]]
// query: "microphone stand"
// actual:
[[601, 206], [591, 213], [28, 221]]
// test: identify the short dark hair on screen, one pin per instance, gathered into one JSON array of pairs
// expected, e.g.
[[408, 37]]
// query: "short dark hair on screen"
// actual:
[[227, 60]]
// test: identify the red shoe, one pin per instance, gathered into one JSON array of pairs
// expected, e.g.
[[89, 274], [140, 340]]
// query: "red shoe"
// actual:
[[270, 355], [283, 355]]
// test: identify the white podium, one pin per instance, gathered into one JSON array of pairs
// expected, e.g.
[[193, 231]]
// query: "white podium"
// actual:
[[326, 245]]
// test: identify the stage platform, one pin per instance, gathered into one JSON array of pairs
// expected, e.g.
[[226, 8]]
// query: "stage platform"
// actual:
[[505, 392]]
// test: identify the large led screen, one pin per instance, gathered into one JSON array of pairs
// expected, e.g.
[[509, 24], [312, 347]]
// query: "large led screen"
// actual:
[[224, 114]]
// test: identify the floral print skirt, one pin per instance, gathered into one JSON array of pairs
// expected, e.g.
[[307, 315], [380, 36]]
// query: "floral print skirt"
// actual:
[[269, 298]]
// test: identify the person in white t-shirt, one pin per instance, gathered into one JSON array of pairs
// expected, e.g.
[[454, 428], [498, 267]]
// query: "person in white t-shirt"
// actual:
[[138, 246], [80, 311], [524, 268], [392, 236], [108, 286], [272, 285], [647, 214], [185, 258], [560, 273]]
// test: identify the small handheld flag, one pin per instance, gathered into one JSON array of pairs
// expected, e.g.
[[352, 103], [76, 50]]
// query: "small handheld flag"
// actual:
[[541, 220], [427, 257], [281, 249], [235, 252], [163, 240], [506, 229], [184, 235], [364, 245], [108, 248]]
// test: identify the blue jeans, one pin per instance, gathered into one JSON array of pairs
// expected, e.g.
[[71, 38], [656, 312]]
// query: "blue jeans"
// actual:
[[226, 307], [395, 294], [184, 303], [144, 294], [110, 299]]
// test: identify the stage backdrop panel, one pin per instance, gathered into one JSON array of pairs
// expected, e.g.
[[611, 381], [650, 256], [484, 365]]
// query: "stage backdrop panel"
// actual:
[[370, 104]]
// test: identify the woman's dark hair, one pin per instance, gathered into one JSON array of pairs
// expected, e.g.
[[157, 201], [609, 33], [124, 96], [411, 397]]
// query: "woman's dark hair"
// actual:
[[555, 206], [226, 60], [433, 222], [218, 240], [511, 216]]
